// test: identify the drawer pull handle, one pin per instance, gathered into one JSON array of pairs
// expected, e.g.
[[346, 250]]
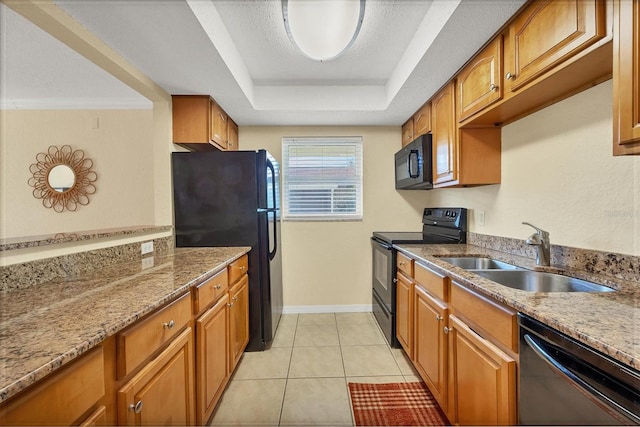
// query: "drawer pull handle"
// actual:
[[230, 304], [401, 262], [218, 286], [169, 325], [508, 76], [447, 330], [137, 408]]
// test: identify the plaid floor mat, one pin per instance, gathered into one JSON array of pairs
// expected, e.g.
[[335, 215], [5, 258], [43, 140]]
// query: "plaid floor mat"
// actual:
[[395, 404]]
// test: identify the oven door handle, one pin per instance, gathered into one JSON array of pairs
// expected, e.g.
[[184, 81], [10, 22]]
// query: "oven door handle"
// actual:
[[597, 397]]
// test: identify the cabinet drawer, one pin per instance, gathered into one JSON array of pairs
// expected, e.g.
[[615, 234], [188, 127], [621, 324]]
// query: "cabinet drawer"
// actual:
[[238, 268], [433, 282], [499, 322], [404, 264], [63, 398], [144, 338], [209, 291]]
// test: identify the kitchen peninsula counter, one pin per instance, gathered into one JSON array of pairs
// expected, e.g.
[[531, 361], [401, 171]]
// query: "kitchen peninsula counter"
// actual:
[[608, 322], [45, 326]]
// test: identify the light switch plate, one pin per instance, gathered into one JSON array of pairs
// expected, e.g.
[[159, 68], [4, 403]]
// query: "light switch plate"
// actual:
[[480, 218]]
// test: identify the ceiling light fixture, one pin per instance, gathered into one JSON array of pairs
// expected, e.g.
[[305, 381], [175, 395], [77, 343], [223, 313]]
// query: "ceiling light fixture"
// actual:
[[322, 29]]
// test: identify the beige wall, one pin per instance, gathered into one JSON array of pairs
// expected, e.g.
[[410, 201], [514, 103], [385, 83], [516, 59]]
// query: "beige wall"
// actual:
[[558, 172], [120, 147], [329, 263]]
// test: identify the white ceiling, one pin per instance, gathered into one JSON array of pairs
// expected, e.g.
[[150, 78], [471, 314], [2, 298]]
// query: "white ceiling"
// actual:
[[238, 51]]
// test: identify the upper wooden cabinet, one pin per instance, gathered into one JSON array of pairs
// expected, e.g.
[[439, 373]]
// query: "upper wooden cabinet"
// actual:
[[232, 135], [626, 77], [422, 121], [549, 32], [200, 123], [407, 132], [443, 131], [479, 84]]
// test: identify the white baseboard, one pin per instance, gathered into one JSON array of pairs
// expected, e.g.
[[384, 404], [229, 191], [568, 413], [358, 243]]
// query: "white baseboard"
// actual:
[[300, 309]]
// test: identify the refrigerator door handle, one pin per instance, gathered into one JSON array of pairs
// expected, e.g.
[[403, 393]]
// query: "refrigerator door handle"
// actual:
[[262, 210], [272, 254]]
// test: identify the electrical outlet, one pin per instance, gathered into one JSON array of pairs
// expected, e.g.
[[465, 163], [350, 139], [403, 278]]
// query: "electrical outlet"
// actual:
[[146, 247], [147, 262], [481, 218]]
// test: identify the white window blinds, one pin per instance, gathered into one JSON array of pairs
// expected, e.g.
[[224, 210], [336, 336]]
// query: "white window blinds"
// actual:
[[322, 178]]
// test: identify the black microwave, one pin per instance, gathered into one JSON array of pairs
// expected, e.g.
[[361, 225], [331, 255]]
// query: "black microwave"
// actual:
[[413, 165]]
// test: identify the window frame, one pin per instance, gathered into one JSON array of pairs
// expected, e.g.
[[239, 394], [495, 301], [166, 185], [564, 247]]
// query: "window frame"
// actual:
[[288, 215]]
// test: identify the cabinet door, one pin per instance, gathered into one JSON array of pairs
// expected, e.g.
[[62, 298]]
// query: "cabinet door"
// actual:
[[162, 392], [232, 135], [626, 77], [212, 358], [422, 121], [219, 126], [479, 83], [404, 313], [444, 135], [430, 348], [239, 320], [407, 132], [549, 32], [482, 379]]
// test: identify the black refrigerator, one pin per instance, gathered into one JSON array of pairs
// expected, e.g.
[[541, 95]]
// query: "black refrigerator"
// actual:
[[232, 198]]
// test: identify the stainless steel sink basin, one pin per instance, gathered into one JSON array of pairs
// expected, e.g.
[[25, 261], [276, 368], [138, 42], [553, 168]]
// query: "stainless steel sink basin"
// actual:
[[477, 263], [538, 281]]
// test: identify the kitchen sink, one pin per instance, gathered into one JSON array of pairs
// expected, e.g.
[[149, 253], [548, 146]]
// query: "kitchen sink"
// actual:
[[538, 281], [477, 263]]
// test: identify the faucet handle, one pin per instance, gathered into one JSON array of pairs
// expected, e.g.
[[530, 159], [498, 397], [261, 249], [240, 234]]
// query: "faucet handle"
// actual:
[[538, 230]]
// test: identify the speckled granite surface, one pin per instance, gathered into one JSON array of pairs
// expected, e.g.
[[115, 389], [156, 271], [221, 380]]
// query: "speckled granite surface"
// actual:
[[18, 276], [44, 327], [52, 239], [608, 322]]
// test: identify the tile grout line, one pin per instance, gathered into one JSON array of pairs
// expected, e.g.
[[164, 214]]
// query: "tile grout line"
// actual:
[[286, 380]]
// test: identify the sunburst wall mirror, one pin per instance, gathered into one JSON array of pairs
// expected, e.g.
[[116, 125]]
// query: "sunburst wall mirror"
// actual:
[[62, 178]]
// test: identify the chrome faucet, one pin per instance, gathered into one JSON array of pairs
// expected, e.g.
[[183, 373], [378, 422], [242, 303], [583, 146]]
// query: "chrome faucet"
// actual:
[[540, 239]]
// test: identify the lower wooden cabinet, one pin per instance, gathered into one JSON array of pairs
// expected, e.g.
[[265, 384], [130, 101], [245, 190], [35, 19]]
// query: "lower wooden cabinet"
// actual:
[[97, 418], [212, 358], [430, 347], [404, 313], [162, 392], [481, 379], [63, 399], [238, 320]]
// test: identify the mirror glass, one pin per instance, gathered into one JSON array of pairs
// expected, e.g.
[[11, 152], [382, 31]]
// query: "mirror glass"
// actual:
[[61, 178]]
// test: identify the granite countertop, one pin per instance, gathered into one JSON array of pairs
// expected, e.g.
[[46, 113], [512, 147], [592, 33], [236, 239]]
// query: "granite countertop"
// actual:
[[608, 322], [46, 326]]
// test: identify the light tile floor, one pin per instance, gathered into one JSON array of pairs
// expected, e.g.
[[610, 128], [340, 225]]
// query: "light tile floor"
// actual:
[[302, 379]]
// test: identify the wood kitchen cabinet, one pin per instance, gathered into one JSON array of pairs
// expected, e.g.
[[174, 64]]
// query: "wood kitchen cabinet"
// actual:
[[462, 157], [232, 135], [69, 397], [238, 320], [481, 379], [626, 77], [430, 346], [407, 132], [547, 33], [162, 392], [422, 121], [404, 313], [479, 84], [200, 123]]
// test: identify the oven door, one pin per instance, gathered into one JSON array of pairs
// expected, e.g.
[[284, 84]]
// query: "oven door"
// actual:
[[382, 273]]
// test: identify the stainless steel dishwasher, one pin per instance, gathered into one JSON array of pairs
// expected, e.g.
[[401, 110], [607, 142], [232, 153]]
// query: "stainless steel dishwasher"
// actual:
[[564, 382]]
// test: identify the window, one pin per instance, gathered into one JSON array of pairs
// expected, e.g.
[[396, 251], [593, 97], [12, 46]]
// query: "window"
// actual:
[[322, 178]]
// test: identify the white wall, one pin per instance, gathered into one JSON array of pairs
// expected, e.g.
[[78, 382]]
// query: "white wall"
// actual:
[[121, 148], [329, 263], [558, 172]]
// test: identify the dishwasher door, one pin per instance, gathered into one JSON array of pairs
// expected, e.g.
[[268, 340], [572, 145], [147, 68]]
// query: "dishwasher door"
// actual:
[[564, 382]]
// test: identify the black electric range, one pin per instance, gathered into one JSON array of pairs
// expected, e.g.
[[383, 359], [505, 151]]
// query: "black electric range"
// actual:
[[439, 226]]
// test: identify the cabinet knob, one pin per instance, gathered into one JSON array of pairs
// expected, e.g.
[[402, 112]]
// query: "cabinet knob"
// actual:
[[447, 330], [137, 408], [169, 325], [230, 304], [243, 268], [508, 76], [492, 87], [218, 286], [235, 298], [401, 262], [439, 318], [395, 280]]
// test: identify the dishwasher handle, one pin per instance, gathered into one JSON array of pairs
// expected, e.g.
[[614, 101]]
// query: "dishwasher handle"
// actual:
[[584, 387]]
